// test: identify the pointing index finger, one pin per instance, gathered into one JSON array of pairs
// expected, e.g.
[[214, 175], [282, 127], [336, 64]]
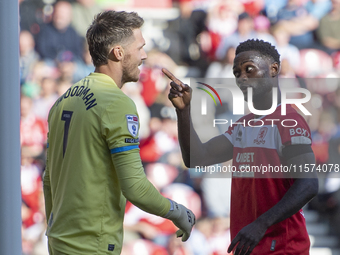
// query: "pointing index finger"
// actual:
[[172, 77], [233, 243]]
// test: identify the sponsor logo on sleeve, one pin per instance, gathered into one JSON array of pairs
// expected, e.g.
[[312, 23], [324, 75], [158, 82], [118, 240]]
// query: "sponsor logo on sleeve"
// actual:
[[131, 140], [298, 131], [132, 124], [299, 136], [111, 247]]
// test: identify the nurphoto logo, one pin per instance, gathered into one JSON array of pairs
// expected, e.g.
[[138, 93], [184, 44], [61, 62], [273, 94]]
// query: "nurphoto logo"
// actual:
[[238, 103], [238, 99]]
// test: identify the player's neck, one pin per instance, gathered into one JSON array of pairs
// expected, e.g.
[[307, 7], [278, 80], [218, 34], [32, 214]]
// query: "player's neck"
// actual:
[[112, 71], [266, 103]]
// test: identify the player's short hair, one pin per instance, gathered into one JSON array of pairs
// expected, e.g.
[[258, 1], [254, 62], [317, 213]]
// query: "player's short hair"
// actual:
[[110, 28], [264, 48]]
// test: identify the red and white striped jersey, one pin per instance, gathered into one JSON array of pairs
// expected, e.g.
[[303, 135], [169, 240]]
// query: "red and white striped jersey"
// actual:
[[254, 193]]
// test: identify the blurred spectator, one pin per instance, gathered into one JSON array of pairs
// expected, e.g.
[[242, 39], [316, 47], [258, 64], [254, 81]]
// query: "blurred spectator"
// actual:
[[151, 78], [144, 247], [32, 84], [58, 36], [336, 61], [163, 130], [245, 30], [147, 225], [182, 32], [133, 90], [31, 15], [31, 186], [48, 95], [271, 8], [221, 21], [334, 148], [300, 20], [328, 30], [336, 103], [198, 243], [285, 49], [72, 68], [287, 71], [63, 86], [33, 133], [176, 247], [214, 191], [223, 68], [83, 12], [222, 17], [33, 217], [327, 129], [210, 237], [83, 66], [152, 227], [162, 140], [220, 238], [314, 63], [262, 26], [66, 65], [253, 7], [328, 203], [28, 55]]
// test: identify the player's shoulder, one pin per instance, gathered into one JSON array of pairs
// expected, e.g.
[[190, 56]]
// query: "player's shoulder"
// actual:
[[107, 91], [123, 102], [290, 117], [285, 112], [293, 128], [234, 124]]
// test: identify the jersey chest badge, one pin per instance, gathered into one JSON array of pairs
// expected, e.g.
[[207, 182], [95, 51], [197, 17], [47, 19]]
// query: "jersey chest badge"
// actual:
[[132, 124], [261, 135], [239, 135]]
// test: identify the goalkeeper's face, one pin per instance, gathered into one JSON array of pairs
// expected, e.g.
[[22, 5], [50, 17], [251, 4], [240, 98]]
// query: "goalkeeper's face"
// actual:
[[134, 54], [252, 70]]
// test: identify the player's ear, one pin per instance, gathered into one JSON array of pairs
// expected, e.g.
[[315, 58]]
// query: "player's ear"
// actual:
[[274, 69], [117, 53]]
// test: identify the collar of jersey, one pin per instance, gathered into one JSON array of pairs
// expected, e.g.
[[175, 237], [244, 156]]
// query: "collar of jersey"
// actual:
[[277, 108], [103, 77]]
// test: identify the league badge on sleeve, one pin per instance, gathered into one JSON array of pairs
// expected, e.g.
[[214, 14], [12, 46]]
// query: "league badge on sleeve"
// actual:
[[132, 124]]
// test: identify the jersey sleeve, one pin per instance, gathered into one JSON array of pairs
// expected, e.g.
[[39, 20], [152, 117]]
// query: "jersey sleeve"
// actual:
[[296, 132], [120, 125], [232, 131], [120, 128], [135, 186]]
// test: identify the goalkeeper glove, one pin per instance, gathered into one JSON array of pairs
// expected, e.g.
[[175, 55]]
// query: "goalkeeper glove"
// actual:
[[183, 218]]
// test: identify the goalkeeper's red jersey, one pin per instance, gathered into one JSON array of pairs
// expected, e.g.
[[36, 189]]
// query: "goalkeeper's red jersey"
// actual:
[[251, 194]]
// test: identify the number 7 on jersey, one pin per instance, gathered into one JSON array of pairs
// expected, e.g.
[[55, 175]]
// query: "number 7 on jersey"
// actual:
[[66, 116]]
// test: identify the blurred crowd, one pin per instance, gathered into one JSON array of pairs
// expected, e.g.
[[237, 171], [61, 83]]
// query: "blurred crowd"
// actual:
[[197, 40]]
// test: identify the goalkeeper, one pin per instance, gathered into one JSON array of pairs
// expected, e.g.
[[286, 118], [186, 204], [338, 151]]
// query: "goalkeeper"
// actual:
[[93, 163]]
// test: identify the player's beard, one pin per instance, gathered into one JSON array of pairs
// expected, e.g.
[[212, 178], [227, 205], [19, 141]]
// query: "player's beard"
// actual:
[[130, 70]]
